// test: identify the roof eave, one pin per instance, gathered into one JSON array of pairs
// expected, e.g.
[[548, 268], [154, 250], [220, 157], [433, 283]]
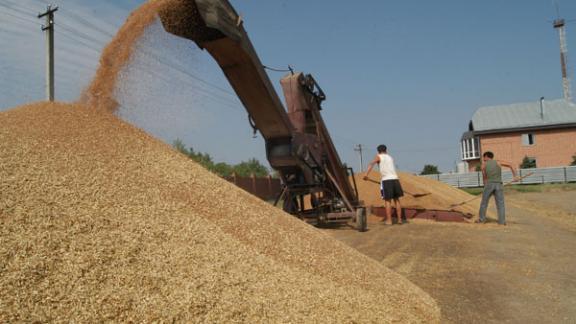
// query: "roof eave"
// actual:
[[525, 128]]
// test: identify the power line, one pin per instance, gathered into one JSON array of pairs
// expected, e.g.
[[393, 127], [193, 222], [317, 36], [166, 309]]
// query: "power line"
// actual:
[[16, 9], [79, 42], [169, 81], [86, 40], [19, 17], [89, 24], [78, 33], [181, 70], [86, 21]]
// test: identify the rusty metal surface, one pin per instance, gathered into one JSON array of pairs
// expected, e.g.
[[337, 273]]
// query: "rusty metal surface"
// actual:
[[266, 188], [298, 144], [412, 213], [304, 112], [340, 216]]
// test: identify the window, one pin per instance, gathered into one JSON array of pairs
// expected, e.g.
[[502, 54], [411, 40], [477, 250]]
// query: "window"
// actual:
[[528, 139], [470, 148]]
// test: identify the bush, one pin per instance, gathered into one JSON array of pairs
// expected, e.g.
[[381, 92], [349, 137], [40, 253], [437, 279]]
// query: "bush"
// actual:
[[243, 169], [430, 169], [528, 163]]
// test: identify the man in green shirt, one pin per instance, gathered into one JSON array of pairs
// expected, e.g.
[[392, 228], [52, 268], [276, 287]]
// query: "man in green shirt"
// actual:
[[492, 174]]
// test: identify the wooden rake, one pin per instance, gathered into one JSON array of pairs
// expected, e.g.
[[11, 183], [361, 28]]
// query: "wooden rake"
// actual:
[[411, 194], [479, 196]]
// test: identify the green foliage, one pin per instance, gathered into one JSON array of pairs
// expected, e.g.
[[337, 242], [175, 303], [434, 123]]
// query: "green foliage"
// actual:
[[252, 166], [527, 163], [573, 160], [223, 169], [243, 169], [179, 146], [478, 168], [203, 159], [430, 169]]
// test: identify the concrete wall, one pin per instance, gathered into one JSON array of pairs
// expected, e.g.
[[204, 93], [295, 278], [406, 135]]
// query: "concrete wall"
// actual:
[[552, 148]]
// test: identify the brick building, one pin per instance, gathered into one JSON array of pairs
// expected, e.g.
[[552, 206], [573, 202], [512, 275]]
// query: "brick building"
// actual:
[[544, 131]]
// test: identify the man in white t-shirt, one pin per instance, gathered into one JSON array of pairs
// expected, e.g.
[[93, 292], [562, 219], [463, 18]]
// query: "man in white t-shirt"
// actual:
[[390, 187]]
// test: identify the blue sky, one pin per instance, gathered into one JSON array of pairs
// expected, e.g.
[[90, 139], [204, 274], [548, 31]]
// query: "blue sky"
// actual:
[[408, 74]]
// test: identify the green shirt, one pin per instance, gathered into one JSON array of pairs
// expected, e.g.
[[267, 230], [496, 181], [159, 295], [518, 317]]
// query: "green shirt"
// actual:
[[493, 172]]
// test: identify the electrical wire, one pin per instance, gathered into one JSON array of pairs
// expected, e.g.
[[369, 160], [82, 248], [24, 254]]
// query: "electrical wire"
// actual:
[[77, 33], [90, 39], [181, 70], [19, 17], [85, 40], [97, 51]]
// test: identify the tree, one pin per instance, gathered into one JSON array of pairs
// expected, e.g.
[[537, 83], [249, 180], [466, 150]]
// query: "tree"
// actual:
[[252, 166], [243, 169], [223, 169], [573, 160], [203, 159], [528, 163], [180, 147], [430, 169]]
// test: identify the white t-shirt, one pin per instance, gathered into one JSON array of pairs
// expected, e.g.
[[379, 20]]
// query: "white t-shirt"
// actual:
[[387, 169]]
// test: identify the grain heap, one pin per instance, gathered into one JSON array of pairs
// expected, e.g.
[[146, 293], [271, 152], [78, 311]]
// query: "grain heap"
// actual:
[[420, 192], [99, 221]]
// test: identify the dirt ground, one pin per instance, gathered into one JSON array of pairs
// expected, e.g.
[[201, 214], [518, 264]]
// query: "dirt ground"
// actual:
[[521, 273]]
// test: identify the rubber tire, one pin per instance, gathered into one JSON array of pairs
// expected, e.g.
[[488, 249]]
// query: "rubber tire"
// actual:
[[361, 220]]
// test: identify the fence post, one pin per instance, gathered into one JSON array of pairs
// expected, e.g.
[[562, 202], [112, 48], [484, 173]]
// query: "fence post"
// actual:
[[520, 175], [565, 176], [478, 174], [253, 176]]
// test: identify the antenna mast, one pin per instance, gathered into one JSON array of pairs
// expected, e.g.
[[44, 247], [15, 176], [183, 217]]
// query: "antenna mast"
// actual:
[[559, 24]]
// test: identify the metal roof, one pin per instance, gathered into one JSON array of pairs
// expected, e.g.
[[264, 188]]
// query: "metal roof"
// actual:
[[524, 115]]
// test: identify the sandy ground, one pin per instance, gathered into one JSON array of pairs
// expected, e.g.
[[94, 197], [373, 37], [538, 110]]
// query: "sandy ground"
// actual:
[[563, 200], [521, 273]]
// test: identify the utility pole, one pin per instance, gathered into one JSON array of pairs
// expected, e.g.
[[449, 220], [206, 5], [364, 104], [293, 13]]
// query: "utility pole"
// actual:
[[48, 27], [358, 148]]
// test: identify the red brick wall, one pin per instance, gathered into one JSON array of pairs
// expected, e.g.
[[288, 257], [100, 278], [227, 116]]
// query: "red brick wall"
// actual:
[[552, 148]]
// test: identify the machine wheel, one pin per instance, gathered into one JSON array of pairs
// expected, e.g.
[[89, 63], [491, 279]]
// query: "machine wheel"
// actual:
[[361, 221]]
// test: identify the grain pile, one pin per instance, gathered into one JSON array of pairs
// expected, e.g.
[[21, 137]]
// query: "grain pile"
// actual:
[[99, 221], [420, 192]]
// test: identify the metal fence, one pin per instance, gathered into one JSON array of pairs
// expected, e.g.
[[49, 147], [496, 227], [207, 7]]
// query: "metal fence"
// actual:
[[266, 188], [541, 175]]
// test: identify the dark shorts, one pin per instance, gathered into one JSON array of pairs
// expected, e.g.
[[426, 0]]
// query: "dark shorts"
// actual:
[[391, 189]]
